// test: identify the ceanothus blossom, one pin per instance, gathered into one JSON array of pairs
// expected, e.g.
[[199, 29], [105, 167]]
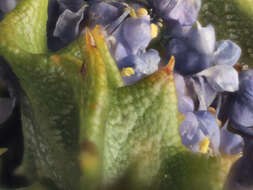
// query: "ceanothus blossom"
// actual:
[[198, 126], [128, 48], [8, 5], [230, 143], [241, 109], [183, 11], [196, 50]]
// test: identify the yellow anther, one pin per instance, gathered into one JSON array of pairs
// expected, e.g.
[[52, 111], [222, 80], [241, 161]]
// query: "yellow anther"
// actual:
[[154, 30], [212, 110], [3, 150], [204, 145], [219, 122], [141, 12], [127, 72], [132, 12]]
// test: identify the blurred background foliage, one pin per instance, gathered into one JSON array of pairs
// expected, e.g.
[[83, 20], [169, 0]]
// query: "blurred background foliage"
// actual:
[[232, 19]]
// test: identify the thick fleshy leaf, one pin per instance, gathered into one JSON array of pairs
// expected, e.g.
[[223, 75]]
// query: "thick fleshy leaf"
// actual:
[[31, 39], [3, 150], [49, 110], [131, 136]]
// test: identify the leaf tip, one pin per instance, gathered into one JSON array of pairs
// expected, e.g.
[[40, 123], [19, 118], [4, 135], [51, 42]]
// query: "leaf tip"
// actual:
[[169, 68]]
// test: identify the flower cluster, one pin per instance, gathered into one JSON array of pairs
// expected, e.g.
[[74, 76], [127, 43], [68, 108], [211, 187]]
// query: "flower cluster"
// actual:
[[205, 68], [215, 93]]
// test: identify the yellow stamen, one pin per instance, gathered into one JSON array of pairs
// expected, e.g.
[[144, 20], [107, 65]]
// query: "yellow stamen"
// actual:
[[219, 123], [127, 72], [154, 30], [132, 12], [204, 145], [212, 110], [3, 150], [141, 12]]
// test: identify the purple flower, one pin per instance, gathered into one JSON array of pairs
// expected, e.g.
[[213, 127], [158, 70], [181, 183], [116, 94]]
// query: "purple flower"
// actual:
[[196, 50], [143, 64], [10, 91], [197, 127], [185, 101], [128, 46], [230, 143], [104, 13], [185, 12], [8, 5], [221, 78], [64, 18], [67, 26], [132, 37], [241, 112], [227, 52], [203, 87], [73, 5]]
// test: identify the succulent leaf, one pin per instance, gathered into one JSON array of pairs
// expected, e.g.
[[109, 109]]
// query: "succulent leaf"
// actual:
[[141, 124], [25, 26]]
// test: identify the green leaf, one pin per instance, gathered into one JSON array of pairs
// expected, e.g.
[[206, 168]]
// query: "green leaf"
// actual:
[[25, 27], [142, 124], [3, 150]]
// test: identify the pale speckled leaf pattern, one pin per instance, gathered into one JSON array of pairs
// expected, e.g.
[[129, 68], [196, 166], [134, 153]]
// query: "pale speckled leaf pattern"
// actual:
[[30, 13], [49, 109], [142, 122]]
